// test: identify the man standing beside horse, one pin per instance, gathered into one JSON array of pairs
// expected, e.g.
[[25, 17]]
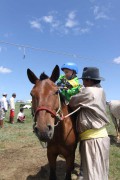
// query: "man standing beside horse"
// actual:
[[91, 122]]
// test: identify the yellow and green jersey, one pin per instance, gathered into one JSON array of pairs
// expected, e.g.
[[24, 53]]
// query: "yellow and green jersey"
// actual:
[[73, 86]]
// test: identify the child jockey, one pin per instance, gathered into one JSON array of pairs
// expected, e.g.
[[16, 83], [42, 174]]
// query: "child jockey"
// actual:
[[69, 82]]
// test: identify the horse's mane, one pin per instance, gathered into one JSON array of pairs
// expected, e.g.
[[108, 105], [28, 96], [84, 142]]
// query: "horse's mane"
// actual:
[[62, 98], [43, 76]]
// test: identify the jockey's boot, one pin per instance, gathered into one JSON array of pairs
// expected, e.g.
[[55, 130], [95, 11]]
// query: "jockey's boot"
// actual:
[[1, 123]]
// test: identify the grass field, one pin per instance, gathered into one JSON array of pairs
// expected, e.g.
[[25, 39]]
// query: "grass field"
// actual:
[[114, 173], [21, 135]]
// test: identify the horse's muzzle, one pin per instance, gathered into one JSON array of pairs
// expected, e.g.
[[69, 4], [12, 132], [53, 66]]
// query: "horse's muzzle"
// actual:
[[45, 135]]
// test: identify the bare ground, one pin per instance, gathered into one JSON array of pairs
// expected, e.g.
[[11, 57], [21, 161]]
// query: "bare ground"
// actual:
[[29, 162]]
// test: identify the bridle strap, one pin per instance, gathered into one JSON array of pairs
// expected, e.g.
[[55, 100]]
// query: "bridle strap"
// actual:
[[45, 108]]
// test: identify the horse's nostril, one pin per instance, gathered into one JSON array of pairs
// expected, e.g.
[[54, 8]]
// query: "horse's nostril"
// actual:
[[50, 131], [49, 127], [35, 129]]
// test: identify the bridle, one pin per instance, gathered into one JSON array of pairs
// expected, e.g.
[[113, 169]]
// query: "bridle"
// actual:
[[56, 114], [47, 109]]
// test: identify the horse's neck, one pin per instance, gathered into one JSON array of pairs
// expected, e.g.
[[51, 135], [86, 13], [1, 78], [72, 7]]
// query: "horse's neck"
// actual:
[[66, 112], [65, 129], [65, 109]]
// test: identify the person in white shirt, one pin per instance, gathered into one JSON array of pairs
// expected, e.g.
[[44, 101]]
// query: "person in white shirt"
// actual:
[[1, 114], [21, 116], [4, 100], [3, 108], [12, 108]]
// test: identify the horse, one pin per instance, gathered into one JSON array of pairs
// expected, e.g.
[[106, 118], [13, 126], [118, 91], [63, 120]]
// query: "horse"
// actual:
[[114, 109], [53, 122]]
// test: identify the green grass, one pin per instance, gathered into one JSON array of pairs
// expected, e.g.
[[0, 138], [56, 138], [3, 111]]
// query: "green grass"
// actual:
[[20, 133], [17, 134], [114, 173]]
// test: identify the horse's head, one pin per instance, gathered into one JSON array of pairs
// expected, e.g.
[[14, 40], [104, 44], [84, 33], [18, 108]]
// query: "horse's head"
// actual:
[[45, 102]]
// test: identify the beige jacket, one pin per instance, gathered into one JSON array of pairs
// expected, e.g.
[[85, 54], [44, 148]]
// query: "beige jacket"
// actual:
[[92, 114]]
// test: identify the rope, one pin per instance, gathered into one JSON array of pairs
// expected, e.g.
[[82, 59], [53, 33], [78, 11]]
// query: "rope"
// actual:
[[71, 113], [45, 50]]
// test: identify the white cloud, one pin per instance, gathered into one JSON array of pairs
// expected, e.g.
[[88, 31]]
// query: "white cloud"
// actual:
[[117, 60], [80, 30], [36, 24], [53, 22], [99, 13], [72, 15], [48, 19], [89, 23], [71, 22], [5, 70]]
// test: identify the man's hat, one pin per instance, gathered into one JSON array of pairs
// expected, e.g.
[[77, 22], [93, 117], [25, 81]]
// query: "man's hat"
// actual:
[[91, 73]]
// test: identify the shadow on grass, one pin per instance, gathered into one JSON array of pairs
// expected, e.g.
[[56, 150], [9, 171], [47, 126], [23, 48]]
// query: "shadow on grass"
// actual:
[[44, 172]]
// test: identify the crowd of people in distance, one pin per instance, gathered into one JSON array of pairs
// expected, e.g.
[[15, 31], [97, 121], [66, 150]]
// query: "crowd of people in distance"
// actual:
[[6, 105]]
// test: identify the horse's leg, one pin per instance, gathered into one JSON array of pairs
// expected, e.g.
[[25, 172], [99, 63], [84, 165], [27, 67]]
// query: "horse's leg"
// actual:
[[115, 122], [118, 132], [69, 166], [52, 164]]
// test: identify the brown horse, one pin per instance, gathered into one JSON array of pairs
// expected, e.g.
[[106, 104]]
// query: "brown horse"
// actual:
[[51, 125]]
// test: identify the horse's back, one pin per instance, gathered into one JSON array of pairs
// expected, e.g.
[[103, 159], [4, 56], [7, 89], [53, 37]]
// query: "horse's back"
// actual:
[[114, 106]]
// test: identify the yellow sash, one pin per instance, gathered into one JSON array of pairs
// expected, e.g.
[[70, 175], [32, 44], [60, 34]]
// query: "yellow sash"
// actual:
[[94, 133]]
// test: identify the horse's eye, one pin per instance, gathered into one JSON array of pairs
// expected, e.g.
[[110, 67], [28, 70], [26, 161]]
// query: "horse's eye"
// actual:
[[57, 92], [31, 94]]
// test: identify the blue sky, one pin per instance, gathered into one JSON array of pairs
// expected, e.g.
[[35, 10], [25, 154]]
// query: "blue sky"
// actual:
[[39, 34]]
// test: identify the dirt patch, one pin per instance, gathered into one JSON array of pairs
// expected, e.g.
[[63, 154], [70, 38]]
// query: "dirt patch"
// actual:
[[28, 163], [23, 158]]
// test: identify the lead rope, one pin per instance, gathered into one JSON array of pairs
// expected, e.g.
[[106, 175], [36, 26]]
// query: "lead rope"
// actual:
[[59, 109], [64, 117]]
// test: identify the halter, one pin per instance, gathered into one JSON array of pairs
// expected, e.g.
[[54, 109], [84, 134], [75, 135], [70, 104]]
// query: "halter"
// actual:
[[57, 114], [47, 109]]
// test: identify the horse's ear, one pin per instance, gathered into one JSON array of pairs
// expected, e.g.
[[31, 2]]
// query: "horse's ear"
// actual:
[[31, 76], [55, 74]]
